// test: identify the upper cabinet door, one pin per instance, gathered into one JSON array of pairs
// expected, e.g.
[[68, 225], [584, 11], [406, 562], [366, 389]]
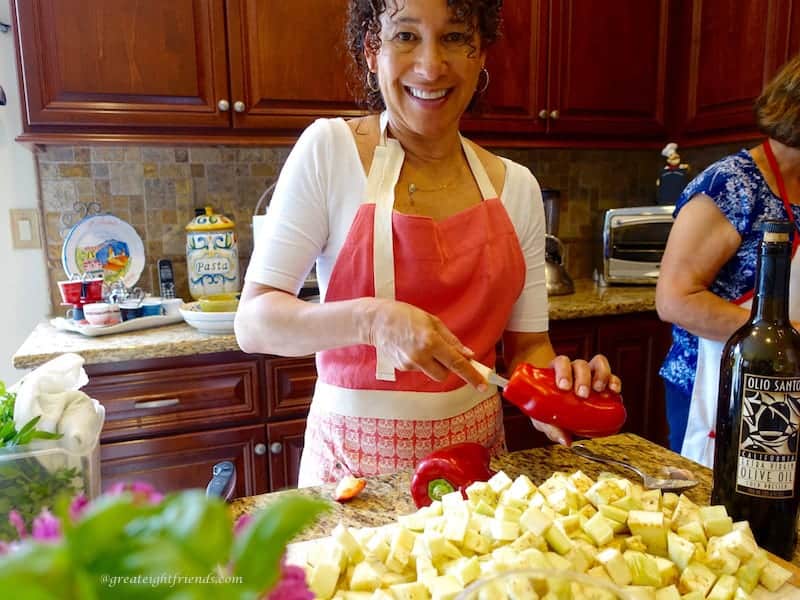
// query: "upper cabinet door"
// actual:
[[734, 48], [126, 64], [289, 65], [517, 67], [607, 67]]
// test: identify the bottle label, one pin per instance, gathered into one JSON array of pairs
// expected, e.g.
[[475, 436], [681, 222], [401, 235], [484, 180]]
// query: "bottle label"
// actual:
[[768, 437]]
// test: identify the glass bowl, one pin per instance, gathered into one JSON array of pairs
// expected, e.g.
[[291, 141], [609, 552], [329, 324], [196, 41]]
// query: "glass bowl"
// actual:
[[533, 584]]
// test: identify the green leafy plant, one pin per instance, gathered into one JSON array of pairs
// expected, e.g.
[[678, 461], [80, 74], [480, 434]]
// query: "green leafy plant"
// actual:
[[25, 484], [183, 547]]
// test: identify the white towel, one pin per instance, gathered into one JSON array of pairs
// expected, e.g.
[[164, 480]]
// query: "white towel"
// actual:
[[52, 392]]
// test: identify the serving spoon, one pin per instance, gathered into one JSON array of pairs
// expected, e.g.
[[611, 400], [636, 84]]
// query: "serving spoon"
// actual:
[[650, 483]]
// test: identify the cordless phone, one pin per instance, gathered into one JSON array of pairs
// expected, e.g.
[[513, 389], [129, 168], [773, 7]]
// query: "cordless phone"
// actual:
[[166, 278]]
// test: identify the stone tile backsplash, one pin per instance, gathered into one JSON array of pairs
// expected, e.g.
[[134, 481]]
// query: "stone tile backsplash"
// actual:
[[157, 189]]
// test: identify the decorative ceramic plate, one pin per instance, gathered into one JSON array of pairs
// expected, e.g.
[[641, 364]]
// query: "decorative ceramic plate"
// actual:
[[104, 245], [207, 322]]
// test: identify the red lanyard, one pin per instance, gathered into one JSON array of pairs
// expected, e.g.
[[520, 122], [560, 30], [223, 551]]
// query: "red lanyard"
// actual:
[[776, 172]]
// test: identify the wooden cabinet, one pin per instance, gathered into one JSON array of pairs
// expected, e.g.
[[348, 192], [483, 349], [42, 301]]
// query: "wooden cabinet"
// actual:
[[285, 440], [635, 346], [122, 64], [728, 51], [569, 67], [185, 461], [207, 64], [288, 64]]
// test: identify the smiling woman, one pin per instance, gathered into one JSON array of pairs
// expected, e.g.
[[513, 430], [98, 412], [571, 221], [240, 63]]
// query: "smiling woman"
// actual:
[[428, 250]]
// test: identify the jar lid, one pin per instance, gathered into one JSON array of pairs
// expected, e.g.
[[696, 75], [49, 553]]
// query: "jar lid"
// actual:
[[209, 221]]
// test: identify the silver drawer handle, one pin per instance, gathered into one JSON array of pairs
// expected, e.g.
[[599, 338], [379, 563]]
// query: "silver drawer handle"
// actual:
[[157, 403], [260, 449], [276, 447]]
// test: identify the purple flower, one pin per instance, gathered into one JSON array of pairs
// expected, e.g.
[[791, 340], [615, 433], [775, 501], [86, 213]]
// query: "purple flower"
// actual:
[[18, 523], [142, 491], [291, 585], [77, 507], [241, 523], [46, 528]]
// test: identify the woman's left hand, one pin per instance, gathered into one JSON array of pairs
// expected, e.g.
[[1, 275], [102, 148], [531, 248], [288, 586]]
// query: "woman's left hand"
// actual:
[[578, 375]]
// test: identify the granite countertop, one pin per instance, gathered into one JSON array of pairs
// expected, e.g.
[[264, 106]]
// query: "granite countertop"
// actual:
[[46, 342], [387, 496]]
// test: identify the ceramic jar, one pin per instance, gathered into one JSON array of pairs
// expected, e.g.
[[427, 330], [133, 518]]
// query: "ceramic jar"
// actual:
[[212, 255]]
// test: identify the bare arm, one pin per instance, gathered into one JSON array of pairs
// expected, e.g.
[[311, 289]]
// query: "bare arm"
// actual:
[[272, 321], [701, 241]]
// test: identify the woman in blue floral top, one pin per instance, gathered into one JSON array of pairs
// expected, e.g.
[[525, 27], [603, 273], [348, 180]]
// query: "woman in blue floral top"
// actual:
[[708, 267]]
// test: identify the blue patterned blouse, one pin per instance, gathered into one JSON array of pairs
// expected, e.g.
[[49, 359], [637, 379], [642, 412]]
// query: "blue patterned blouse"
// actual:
[[739, 190]]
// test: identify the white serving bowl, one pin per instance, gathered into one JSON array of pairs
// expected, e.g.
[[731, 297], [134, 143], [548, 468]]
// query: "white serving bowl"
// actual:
[[207, 322]]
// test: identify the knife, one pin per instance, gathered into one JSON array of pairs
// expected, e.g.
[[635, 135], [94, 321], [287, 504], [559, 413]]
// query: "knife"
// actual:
[[490, 374]]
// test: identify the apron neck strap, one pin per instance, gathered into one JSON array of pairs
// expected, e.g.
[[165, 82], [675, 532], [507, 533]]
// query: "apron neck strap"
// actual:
[[478, 171]]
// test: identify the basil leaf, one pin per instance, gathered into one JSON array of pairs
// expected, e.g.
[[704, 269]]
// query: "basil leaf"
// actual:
[[257, 551]]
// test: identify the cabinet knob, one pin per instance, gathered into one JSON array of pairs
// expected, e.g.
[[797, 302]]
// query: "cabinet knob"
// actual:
[[239, 106], [554, 114], [260, 449], [543, 114], [223, 105], [276, 447]]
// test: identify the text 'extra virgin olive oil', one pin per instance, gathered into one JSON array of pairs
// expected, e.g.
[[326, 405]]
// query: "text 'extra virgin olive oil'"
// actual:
[[758, 411]]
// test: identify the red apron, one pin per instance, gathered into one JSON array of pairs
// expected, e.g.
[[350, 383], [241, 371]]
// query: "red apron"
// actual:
[[468, 270]]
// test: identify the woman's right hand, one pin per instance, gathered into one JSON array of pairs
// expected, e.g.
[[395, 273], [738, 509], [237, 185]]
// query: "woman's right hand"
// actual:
[[415, 340]]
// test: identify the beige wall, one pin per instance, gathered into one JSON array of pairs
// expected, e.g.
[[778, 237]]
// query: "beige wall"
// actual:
[[24, 300]]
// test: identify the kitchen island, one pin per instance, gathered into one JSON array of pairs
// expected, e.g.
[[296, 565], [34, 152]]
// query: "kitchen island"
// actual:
[[388, 496]]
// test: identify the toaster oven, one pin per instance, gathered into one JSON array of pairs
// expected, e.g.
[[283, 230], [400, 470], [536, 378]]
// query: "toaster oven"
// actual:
[[634, 240]]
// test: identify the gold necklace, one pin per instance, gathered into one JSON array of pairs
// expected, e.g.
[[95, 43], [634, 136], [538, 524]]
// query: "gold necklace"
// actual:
[[413, 187]]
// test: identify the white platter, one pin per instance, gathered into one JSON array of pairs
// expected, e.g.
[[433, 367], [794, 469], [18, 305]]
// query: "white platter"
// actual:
[[131, 325], [104, 245], [207, 322]]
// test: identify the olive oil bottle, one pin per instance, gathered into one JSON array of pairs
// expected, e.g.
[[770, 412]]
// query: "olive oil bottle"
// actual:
[[758, 410]]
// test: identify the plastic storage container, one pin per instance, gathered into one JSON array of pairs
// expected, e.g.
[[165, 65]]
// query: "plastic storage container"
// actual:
[[34, 476]]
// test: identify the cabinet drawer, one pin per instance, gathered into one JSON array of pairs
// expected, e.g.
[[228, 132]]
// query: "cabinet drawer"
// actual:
[[291, 386], [187, 396], [185, 461]]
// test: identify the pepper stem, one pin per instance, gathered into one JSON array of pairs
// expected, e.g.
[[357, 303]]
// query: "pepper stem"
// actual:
[[438, 488]]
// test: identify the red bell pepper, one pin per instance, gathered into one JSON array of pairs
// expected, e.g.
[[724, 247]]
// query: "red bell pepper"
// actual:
[[449, 469], [534, 391]]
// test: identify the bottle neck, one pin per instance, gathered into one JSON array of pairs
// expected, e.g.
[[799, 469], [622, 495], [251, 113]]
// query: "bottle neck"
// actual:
[[771, 300]]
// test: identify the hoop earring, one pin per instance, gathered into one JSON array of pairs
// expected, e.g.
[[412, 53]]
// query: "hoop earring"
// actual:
[[372, 82], [482, 88]]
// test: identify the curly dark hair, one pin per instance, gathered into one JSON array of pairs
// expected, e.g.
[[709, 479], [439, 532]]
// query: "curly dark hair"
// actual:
[[778, 107], [363, 17]]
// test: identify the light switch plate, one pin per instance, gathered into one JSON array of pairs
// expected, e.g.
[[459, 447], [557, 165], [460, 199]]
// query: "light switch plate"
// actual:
[[25, 228]]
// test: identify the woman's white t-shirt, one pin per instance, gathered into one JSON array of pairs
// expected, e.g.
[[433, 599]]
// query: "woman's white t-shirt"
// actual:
[[318, 193]]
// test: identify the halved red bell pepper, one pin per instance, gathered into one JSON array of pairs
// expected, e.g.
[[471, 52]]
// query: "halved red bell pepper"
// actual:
[[449, 469], [534, 391]]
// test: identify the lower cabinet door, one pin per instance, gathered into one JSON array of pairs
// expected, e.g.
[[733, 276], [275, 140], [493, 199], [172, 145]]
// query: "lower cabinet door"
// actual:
[[285, 442], [184, 461]]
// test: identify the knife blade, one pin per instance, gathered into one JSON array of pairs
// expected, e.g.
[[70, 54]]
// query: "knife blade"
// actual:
[[489, 374]]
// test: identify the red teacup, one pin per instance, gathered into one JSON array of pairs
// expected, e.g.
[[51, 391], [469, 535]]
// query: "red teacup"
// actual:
[[78, 293]]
